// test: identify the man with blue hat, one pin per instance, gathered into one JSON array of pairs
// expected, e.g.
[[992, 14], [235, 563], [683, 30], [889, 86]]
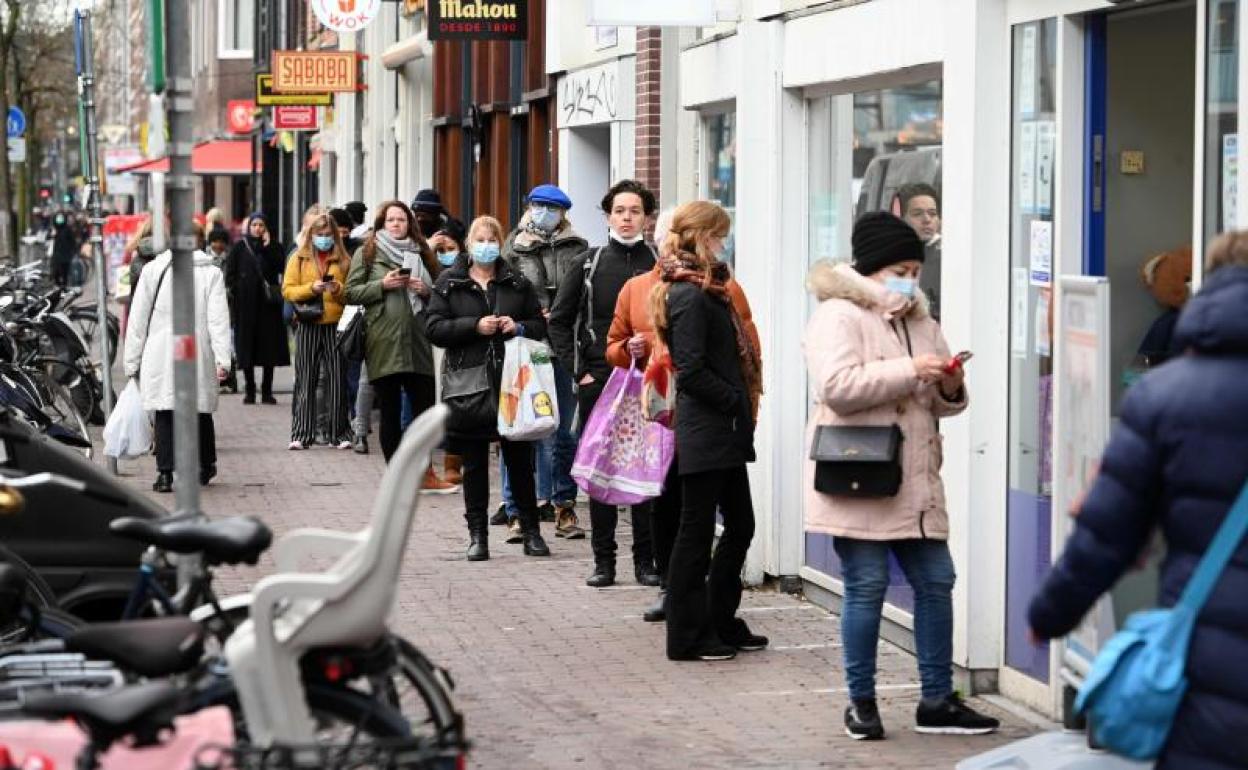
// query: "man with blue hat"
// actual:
[[542, 247]]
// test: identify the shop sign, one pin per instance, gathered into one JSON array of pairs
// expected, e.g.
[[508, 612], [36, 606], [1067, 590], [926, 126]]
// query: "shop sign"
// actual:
[[267, 97], [297, 118], [346, 15], [315, 72], [652, 13], [477, 19], [240, 115]]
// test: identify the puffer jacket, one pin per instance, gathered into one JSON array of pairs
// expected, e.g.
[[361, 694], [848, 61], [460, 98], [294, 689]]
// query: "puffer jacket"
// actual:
[[861, 373], [1177, 459], [543, 262], [302, 271]]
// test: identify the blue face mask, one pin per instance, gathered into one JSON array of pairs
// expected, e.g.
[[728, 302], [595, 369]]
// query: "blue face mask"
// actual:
[[447, 258], [543, 218], [485, 253], [899, 285], [323, 242]]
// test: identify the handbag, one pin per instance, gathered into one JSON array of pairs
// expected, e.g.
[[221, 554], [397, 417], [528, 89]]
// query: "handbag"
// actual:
[[310, 312], [351, 340], [658, 388], [1137, 682], [272, 292], [857, 460], [469, 393]]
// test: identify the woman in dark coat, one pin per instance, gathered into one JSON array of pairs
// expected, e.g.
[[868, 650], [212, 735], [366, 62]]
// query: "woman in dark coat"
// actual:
[[718, 383], [259, 332], [474, 309], [1177, 460]]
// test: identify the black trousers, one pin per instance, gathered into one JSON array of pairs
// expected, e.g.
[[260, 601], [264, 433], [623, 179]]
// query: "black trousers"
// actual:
[[316, 351], [164, 441], [518, 457], [389, 393], [704, 592], [665, 521], [266, 384], [603, 517]]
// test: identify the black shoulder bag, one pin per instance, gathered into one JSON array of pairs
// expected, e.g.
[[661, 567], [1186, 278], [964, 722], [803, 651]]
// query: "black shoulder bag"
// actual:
[[272, 293], [859, 460], [469, 393]]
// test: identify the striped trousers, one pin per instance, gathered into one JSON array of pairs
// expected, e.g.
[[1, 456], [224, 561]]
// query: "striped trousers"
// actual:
[[316, 351]]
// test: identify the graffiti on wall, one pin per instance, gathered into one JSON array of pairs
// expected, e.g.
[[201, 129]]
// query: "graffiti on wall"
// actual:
[[589, 97]]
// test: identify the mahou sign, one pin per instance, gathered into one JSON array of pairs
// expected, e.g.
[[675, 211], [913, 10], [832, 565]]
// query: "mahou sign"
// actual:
[[346, 15], [311, 72], [477, 19]]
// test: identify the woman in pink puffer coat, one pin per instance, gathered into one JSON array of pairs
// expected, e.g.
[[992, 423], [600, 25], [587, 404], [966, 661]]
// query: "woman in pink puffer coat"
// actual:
[[877, 358]]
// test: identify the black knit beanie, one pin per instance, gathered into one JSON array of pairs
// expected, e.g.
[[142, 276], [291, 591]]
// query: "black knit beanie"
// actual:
[[881, 239]]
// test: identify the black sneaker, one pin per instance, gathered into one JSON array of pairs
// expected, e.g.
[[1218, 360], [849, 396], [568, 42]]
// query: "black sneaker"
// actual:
[[739, 635], [500, 516], [862, 721], [546, 512], [952, 716]]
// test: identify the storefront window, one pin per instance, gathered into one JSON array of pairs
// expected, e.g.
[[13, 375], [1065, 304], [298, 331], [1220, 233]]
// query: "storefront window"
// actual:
[[1029, 505], [721, 161], [1221, 116]]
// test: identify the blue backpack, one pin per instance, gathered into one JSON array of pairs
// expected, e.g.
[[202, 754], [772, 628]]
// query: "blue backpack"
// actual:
[[1137, 681]]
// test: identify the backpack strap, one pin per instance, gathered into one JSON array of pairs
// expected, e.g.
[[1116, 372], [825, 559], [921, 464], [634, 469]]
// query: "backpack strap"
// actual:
[[1219, 553], [587, 303]]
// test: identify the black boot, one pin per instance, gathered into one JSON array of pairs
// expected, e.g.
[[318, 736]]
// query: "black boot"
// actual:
[[604, 575], [164, 483], [479, 536], [534, 545], [646, 575], [657, 612], [249, 395]]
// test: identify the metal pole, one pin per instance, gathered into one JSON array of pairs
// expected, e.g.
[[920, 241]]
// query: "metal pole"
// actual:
[[90, 172], [181, 210]]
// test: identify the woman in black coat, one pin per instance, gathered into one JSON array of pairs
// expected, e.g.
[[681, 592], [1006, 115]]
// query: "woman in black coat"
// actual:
[[474, 309], [1176, 460], [259, 332], [718, 383]]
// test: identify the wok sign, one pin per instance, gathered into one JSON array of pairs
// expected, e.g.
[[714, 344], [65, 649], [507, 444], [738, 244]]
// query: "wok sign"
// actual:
[[313, 72], [477, 19]]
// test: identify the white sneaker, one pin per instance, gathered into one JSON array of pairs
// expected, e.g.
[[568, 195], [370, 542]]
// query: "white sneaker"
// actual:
[[296, 445], [343, 445]]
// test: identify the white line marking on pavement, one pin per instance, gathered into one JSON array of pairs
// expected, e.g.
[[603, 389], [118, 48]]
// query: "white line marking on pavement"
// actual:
[[782, 608], [822, 646], [823, 690]]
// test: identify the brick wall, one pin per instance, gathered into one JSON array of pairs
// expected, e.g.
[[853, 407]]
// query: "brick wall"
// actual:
[[649, 63]]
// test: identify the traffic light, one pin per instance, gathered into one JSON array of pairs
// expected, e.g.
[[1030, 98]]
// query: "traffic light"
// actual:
[[45, 193]]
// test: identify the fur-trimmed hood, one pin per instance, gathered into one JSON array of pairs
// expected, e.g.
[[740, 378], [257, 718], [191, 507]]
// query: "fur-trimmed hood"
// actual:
[[829, 280]]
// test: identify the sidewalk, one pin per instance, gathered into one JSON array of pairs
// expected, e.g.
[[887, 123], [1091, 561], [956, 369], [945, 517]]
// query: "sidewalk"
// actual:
[[553, 674]]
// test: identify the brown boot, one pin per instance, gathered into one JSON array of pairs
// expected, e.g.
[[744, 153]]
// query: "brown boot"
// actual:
[[452, 469], [566, 523], [432, 485]]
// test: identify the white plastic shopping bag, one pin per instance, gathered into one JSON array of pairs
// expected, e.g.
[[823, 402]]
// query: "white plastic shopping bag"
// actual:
[[527, 406], [128, 432]]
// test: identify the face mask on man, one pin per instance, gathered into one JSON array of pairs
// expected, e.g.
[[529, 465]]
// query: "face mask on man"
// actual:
[[485, 253], [323, 242], [621, 239], [447, 258], [900, 285], [544, 218]]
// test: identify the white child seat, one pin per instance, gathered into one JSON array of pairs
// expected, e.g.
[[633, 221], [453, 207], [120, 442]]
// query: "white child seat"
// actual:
[[292, 611]]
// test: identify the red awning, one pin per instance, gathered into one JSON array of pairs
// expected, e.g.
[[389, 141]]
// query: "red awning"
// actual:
[[222, 157]]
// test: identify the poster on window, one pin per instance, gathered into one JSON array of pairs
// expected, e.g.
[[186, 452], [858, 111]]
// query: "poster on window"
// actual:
[[1046, 152], [1027, 169], [1041, 253], [1230, 180], [1027, 76]]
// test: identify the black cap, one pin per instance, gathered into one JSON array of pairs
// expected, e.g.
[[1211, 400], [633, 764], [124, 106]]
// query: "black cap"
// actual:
[[428, 201], [881, 239], [357, 209], [342, 218]]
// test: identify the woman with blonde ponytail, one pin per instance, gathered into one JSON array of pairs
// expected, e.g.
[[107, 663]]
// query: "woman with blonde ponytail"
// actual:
[[718, 384]]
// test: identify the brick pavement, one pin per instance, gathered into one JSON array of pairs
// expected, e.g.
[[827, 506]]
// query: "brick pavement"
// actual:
[[553, 674]]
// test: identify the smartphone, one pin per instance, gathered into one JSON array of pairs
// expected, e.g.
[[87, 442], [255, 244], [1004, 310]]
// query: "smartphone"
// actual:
[[958, 360], [327, 278], [406, 272]]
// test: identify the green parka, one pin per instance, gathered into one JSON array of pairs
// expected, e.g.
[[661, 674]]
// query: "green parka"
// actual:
[[395, 341]]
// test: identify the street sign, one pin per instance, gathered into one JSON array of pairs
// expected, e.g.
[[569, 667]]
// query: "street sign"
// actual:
[[346, 15], [267, 97], [295, 119], [16, 122], [478, 19], [240, 115], [315, 72], [17, 149]]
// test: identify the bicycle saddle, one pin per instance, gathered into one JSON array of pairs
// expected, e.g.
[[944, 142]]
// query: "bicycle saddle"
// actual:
[[141, 710], [232, 540], [152, 647]]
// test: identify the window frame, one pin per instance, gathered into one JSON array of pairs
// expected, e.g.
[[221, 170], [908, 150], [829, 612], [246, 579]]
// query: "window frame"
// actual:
[[225, 22]]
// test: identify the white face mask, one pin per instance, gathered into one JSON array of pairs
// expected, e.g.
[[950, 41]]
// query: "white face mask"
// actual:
[[626, 241], [900, 285]]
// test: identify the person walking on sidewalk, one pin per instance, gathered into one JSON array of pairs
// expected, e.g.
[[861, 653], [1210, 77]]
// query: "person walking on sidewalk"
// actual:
[[392, 278], [315, 281], [877, 358], [579, 321], [542, 248], [475, 307], [1176, 461], [149, 354], [632, 338], [253, 279], [718, 385]]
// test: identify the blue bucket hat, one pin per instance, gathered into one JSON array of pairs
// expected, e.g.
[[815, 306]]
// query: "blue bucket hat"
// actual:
[[550, 194]]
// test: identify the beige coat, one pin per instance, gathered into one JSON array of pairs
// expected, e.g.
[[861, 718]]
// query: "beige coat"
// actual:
[[862, 374]]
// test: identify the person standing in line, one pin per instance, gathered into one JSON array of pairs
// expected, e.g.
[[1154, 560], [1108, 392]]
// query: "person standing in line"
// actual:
[[476, 307], [542, 247], [877, 358], [149, 355], [449, 247], [430, 214], [632, 338], [579, 321], [253, 279], [392, 277], [919, 205], [718, 386], [316, 275]]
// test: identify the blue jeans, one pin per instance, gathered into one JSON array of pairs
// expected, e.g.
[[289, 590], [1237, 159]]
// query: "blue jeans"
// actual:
[[929, 570], [555, 454]]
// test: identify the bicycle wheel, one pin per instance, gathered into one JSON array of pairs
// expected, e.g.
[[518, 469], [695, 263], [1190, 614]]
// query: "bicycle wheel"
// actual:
[[40, 601], [422, 693], [62, 409]]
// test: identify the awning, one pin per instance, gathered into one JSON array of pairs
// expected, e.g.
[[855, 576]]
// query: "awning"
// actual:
[[222, 157], [414, 47]]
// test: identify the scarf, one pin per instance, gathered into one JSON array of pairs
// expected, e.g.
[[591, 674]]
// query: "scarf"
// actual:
[[675, 268], [402, 252]]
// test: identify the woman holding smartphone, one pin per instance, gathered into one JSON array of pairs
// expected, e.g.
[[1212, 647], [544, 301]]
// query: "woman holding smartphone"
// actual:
[[391, 277], [877, 359]]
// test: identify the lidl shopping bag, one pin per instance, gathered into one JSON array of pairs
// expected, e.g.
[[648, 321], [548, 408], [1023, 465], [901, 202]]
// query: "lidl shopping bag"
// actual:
[[622, 458], [527, 409], [128, 432]]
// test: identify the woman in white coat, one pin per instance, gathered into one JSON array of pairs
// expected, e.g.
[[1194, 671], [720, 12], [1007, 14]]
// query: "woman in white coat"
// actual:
[[149, 354]]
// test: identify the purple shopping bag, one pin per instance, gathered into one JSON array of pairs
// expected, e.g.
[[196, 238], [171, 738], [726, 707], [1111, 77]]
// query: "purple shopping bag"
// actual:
[[622, 458]]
